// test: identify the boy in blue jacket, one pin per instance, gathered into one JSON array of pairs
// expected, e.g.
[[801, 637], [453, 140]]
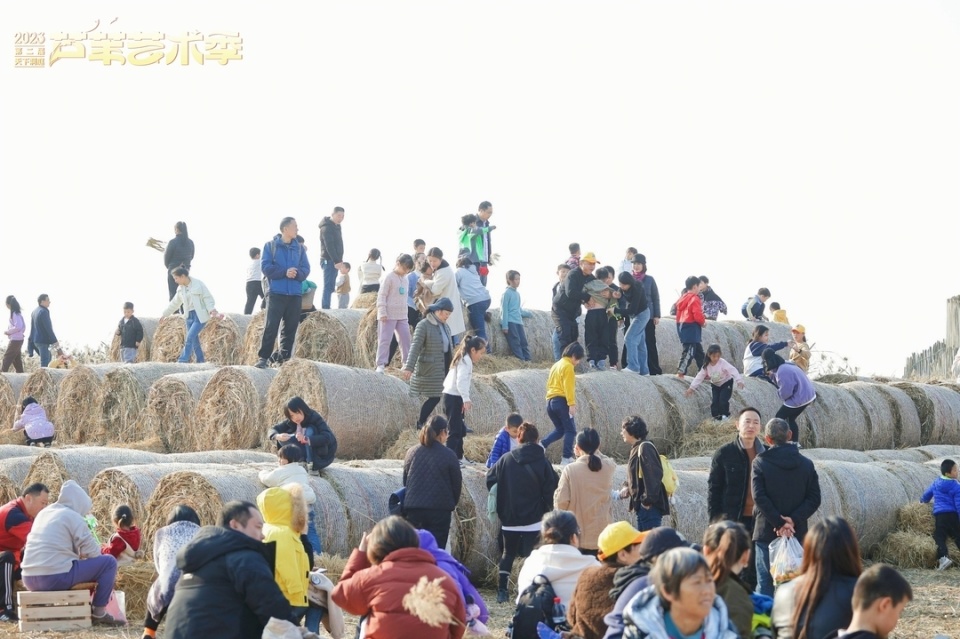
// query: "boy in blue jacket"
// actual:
[[945, 492], [506, 439]]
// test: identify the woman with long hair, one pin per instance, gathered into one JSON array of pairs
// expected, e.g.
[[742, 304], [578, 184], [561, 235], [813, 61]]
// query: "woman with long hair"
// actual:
[[456, 390], [431, 475], [585, 489], [307, 429], [817, 603], [726, 545], [179, 252], [794, 387], [644, 485], [13, 356]]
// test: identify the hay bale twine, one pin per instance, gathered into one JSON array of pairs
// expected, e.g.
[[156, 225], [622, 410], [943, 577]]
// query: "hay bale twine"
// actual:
[[473, 535], [222, 340], [538, 328], [221, 457], [364, 492], [883, 416], [171, 409], [44, 385], [913, 476], [81, 464], [688, 513], [914, 455], [10, 386], [836, 420], [252, 337], [229, 411], [323, 338], [869, 497], [124, 396], [78, 404], [16, 468], [836, 454], [364, 300], [8, 490], [143, 353], [939, 410], [168, 339], [906, 418], [606, 398], [364, 429]]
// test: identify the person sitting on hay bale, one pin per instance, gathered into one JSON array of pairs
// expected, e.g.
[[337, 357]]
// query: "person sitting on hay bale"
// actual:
[[291, 472], [182, 525], [16, 520], [37, 429], [306, 428], [62, 552]]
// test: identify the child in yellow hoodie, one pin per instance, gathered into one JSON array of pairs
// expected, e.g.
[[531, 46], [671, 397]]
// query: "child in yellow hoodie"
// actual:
[[562, 400], [285, 520]]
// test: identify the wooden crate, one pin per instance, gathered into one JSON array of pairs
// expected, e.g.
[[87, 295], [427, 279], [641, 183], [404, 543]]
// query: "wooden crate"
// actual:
[[54, 610]]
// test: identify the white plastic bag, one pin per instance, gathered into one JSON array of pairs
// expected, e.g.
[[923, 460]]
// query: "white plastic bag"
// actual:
[[281, 629], [786, 557]]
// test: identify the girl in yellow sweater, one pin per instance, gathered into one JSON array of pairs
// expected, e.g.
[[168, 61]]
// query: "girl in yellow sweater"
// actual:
[[562, 400]]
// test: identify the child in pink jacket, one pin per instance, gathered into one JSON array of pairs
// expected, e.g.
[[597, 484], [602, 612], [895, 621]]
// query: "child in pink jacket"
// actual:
[[722, 374], [392, 312], [33, 421]]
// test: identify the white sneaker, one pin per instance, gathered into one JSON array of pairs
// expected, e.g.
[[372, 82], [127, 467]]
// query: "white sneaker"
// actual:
[[945, 562], [380, 369], [566, 460]]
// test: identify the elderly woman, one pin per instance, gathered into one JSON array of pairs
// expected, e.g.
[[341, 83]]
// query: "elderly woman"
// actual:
[[431, 351], [682, 601]]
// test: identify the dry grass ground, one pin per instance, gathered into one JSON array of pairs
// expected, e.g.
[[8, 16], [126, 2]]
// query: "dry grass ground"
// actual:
[[934, 610]]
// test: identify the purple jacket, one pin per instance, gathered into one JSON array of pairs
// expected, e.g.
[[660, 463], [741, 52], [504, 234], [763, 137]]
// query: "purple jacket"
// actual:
[[34, 421], [17, 328], [795, 388], [456, 570]]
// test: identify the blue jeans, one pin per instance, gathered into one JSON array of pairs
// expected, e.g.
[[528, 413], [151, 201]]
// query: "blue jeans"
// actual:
[[314, 617], [635, 343], [764, 580], [648, 518], [192, 344], [43, 350], [517, 339], [555, 336], [563, 424], [312, 534], [329, 282], [477, 313]]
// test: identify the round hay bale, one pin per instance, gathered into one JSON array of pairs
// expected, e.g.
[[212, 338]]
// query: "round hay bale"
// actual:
[[706, 438], [476, 448], [939, 410], [939, 451], [143, 353], [44, 385], [605, 399], [323, 337], [757, 393], [883, 415], [10, 386], [134, 581], [221, 457], [732, 342], [916, 518], [79, 402], [688, 514], [668, 347], [869, 497], [243, 323], [364, 300], [489, 409], [525, 392], [365, 352], [222, 341], [124, 398], [8, 490], [364, 429], [168, 339], [205, 490], [364, 492], [398, 450], [836, 454], [694, 463], [836, 420], [907, 419], [350, 318], [474, 537], [252, 337], [172, 407], [907, 550], [914, 477], [332, 519], [904, 454], [229, 411], [81, 464], [9, 451], [680, 414], [493, 364], [16, 468], [539, 330]]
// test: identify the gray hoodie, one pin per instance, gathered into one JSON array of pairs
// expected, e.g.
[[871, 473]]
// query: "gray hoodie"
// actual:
[[60, 535]]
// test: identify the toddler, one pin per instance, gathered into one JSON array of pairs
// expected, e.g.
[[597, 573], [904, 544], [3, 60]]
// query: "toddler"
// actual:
[[124, 544], [34, 423], [342, 285], [779, 314]]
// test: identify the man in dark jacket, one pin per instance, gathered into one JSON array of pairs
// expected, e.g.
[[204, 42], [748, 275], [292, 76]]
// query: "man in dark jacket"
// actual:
[[227, 588], [16, 520], [331, 253], [729, 493], [570, 297], [786, 492], [284, 265], [42, 336]]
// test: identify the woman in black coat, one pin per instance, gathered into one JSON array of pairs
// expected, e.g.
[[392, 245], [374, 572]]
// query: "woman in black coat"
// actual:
[[432, 477], [307, 428], [179, 252]]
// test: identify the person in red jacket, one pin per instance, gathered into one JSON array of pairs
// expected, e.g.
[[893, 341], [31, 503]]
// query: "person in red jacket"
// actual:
[[690, 322], [383, 577], [124, 544], [16, 520]]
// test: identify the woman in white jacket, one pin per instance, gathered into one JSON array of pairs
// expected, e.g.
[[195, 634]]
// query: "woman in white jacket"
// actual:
[[558, 558], [198, 307], [456, 390], [444, 284]]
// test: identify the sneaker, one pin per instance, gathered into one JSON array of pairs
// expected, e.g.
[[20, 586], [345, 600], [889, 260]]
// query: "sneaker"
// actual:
[[106, 619], [566, 460], [380, 369], [261, 363], [469, 430], [945, 562], [9, 614], [502, 595]]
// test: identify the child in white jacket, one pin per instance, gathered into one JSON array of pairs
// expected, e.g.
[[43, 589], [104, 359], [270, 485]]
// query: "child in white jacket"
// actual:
[[34, 423], [456, 390], [722, 375]]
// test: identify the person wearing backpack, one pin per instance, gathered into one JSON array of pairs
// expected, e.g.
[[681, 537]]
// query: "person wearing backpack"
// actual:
[[645, 474], [285, 266], [525, 482], [558, 558]]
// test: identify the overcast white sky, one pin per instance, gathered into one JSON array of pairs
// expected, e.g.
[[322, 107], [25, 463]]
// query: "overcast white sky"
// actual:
[[810, 147]]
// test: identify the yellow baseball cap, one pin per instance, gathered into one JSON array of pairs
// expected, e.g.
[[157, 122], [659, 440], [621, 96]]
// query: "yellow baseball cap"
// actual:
[[799, 328], [590, 257], [616, 537]]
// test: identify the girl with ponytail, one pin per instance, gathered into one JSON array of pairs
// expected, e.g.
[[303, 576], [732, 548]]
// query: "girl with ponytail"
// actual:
[[124, 544], [456, 390], [726, 545], [586, 489]]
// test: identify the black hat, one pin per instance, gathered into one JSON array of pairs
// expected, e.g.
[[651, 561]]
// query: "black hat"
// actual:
[[660, 540], [640, 258], [441, 304]]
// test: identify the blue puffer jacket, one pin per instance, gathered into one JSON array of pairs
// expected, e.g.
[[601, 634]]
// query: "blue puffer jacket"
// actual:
[[945, 492], [276, 258]]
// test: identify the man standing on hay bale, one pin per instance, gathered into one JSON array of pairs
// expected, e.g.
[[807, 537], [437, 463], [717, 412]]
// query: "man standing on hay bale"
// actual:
[[285, 266], [569, 298], [728, 492], [331, 253], [786, 492], [41, 332], [227, 588], [16, 520]]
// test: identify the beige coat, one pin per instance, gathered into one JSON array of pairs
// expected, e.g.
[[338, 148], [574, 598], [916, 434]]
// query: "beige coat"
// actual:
[[587, 495]]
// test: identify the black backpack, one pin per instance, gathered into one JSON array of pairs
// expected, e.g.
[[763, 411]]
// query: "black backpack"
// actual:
[[535, 605]]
